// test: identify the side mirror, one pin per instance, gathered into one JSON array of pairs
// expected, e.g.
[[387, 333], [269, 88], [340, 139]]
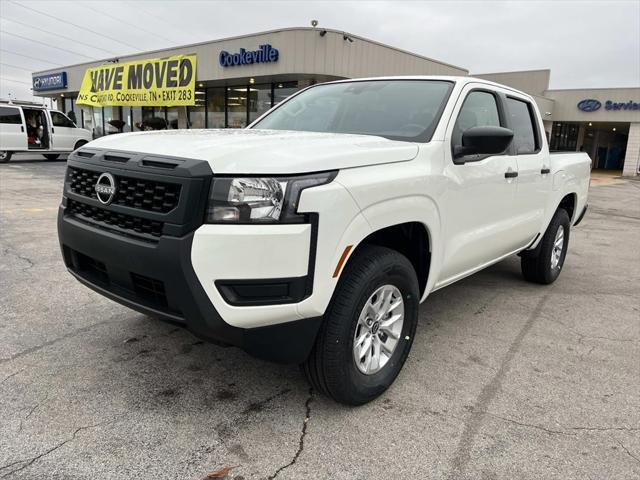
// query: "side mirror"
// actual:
[[478, 142]]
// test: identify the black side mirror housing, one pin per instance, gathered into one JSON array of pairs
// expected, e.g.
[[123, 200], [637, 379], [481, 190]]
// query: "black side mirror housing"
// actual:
[[480, 142]]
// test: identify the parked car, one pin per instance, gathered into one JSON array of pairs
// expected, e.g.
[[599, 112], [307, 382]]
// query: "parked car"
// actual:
[[30, 127], [313, 235]]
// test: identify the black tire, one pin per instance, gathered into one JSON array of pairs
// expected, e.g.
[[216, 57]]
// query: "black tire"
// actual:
[[331, 367], [80, 143], [51, 156], [536, 267], [5, 156]]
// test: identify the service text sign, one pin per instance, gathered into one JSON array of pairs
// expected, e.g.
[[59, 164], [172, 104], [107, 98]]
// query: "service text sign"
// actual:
[[154, 82]]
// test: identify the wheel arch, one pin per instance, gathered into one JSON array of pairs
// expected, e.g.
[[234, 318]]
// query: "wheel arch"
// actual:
[[79, 144], [411, 239]]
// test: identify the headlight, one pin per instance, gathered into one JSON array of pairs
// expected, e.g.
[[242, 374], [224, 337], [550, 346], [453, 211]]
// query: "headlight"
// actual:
[[260, 199]]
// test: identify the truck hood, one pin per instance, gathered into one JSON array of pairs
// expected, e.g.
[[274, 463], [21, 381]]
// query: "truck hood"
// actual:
[[264, 151]]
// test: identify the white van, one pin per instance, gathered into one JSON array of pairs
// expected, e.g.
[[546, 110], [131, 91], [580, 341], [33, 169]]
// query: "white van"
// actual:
[[30, 127]]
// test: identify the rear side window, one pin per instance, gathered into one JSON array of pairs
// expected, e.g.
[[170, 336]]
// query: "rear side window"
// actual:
[[521, 120], [10, 115], [478, 110], [61, 120]]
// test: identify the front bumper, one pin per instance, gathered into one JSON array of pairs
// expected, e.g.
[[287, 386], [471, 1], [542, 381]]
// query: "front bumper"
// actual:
[[159, 280], [141, 249]]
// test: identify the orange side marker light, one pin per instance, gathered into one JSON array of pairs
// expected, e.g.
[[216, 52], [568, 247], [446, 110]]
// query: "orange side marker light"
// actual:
[[344, 256]]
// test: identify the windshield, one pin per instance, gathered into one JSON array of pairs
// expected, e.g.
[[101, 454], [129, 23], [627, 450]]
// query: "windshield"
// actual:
[[406, 110]]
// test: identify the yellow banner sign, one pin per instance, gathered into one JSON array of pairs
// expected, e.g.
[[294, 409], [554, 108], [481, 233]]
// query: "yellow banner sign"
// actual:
[[155, 82]]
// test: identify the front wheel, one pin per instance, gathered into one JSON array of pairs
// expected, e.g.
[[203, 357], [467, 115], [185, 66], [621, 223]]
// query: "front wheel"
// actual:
[[5, 156], [51, 156], [546, 264], [368, 328]]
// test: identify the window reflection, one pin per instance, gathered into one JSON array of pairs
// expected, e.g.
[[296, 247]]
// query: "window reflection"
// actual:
[[236, 107], [215, 108], [283, 90], [259, 100]]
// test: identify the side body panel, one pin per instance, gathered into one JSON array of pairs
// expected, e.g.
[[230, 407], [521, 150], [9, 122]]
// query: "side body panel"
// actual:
[[13, 136]]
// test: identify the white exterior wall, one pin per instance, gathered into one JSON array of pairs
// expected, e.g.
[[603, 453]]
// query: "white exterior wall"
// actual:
[[632, 157], [302, 51], [566, 104]]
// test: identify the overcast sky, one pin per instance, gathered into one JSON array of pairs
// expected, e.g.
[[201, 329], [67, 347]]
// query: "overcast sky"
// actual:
[[585, 44]]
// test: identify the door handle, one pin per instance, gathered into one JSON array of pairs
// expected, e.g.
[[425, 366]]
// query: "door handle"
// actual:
[[545, 170], [53, 130], [510, 174], [21, 128]]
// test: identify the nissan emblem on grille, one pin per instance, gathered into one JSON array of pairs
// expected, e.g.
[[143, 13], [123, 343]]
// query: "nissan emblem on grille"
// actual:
[[106, 188]]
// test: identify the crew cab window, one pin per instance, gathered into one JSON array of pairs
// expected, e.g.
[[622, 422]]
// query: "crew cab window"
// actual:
[[61, 120], [10, 115], [479, 109], [521, 121]]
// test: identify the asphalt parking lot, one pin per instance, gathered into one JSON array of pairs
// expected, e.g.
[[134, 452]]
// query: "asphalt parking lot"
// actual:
[[506, 380]]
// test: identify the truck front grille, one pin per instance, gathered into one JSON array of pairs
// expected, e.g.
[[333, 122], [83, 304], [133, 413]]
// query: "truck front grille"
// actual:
[[120, 222], [143, 194]]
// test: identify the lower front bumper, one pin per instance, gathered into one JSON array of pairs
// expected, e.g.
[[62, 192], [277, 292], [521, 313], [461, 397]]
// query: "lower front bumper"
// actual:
[[157, 279]]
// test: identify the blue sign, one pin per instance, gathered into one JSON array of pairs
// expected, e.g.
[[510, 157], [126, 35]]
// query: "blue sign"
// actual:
[[630, 105], [50, 81], [589, 105], [265, 54]]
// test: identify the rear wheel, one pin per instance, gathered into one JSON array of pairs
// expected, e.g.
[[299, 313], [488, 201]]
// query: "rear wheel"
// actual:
[[5, 156], [545, 266], [368, 328], [51, 156]]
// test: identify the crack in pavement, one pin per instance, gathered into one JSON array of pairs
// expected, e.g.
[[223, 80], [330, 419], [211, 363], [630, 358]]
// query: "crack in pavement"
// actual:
[[11, 375], [625, 449], [11, 251], [531, 425], [53, 341], [488, 393], [303, 433], [27, 462]]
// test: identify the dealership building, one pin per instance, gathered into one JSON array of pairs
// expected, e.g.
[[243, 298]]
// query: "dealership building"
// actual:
[[239, 78]]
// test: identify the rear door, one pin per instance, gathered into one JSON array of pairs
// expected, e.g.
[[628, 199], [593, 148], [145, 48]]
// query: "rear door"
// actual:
[[13, 136], [534, 173], [64, 131], [478, 203]]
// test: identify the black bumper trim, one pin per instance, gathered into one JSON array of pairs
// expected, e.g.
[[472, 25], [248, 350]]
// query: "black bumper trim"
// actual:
[[119, 260], [584, 211]]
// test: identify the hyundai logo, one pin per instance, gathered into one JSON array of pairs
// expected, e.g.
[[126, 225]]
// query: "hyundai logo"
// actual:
[[105, 188], [589, 105]]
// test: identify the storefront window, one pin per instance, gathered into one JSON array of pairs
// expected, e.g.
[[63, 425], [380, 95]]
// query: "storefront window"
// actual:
[[283, 90], [259, 100], [215, 108], [173, 116], [564, 136], [197, 113], [236, 107], [73, 111], [97, 129]]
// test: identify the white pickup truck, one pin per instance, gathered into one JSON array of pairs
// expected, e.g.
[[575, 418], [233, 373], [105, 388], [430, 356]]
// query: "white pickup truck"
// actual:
[[313, 235]]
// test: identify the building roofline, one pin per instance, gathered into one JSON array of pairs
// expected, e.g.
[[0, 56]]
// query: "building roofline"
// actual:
[[590, 88], [515, 71], [266, 32]]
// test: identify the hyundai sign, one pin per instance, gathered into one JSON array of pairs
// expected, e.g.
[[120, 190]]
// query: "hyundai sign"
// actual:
[[265, 54], [591, 105], [50, 81]]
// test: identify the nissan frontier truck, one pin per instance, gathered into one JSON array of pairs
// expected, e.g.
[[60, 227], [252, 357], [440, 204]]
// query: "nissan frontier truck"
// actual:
[[313, 235]]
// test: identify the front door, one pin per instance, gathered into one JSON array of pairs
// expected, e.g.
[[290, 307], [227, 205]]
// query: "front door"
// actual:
[[64, 131], [12, 133], [478, 204]]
